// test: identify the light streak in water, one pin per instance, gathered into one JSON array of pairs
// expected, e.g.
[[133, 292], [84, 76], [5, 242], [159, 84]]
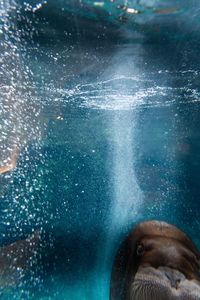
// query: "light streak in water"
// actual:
[[126, 192], [126, 196]]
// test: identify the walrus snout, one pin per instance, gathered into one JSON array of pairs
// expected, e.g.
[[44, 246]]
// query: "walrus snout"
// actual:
[[156, 261], [172, 276], [166, 251], [163, 283]]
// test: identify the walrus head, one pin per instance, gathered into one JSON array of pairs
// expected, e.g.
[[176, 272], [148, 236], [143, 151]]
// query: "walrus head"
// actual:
[[157, 261]]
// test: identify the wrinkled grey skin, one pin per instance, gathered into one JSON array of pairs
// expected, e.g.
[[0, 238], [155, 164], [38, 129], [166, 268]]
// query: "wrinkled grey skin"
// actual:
[[156, 261]]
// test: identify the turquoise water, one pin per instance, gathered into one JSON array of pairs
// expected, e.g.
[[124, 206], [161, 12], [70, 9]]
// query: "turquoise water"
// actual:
[[102, 106]]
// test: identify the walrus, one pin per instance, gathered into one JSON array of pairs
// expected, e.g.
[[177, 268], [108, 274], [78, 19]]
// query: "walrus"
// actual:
[[17, 259], [156, 261]]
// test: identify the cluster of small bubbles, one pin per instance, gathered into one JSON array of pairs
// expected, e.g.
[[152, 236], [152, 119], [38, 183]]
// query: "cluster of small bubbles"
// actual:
[[29, 7], [23, 210], [123, 92]]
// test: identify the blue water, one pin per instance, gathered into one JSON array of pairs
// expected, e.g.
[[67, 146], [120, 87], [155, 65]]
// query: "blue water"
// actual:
[[102, 106]]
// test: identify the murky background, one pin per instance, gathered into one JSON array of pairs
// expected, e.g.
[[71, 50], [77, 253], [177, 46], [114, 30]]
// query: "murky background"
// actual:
[[99, 109]]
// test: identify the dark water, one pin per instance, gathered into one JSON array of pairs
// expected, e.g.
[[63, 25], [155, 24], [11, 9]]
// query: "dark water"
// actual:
[[103, 107]]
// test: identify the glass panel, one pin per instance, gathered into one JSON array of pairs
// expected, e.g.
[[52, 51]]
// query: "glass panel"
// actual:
[[99, 122]]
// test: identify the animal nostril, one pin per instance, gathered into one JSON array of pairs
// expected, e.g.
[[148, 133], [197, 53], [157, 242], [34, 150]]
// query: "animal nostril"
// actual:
[[177, 283], [140, 250], [173, 276]]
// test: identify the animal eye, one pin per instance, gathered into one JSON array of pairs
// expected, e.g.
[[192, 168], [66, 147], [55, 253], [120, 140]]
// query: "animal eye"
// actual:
[[140, 250]]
